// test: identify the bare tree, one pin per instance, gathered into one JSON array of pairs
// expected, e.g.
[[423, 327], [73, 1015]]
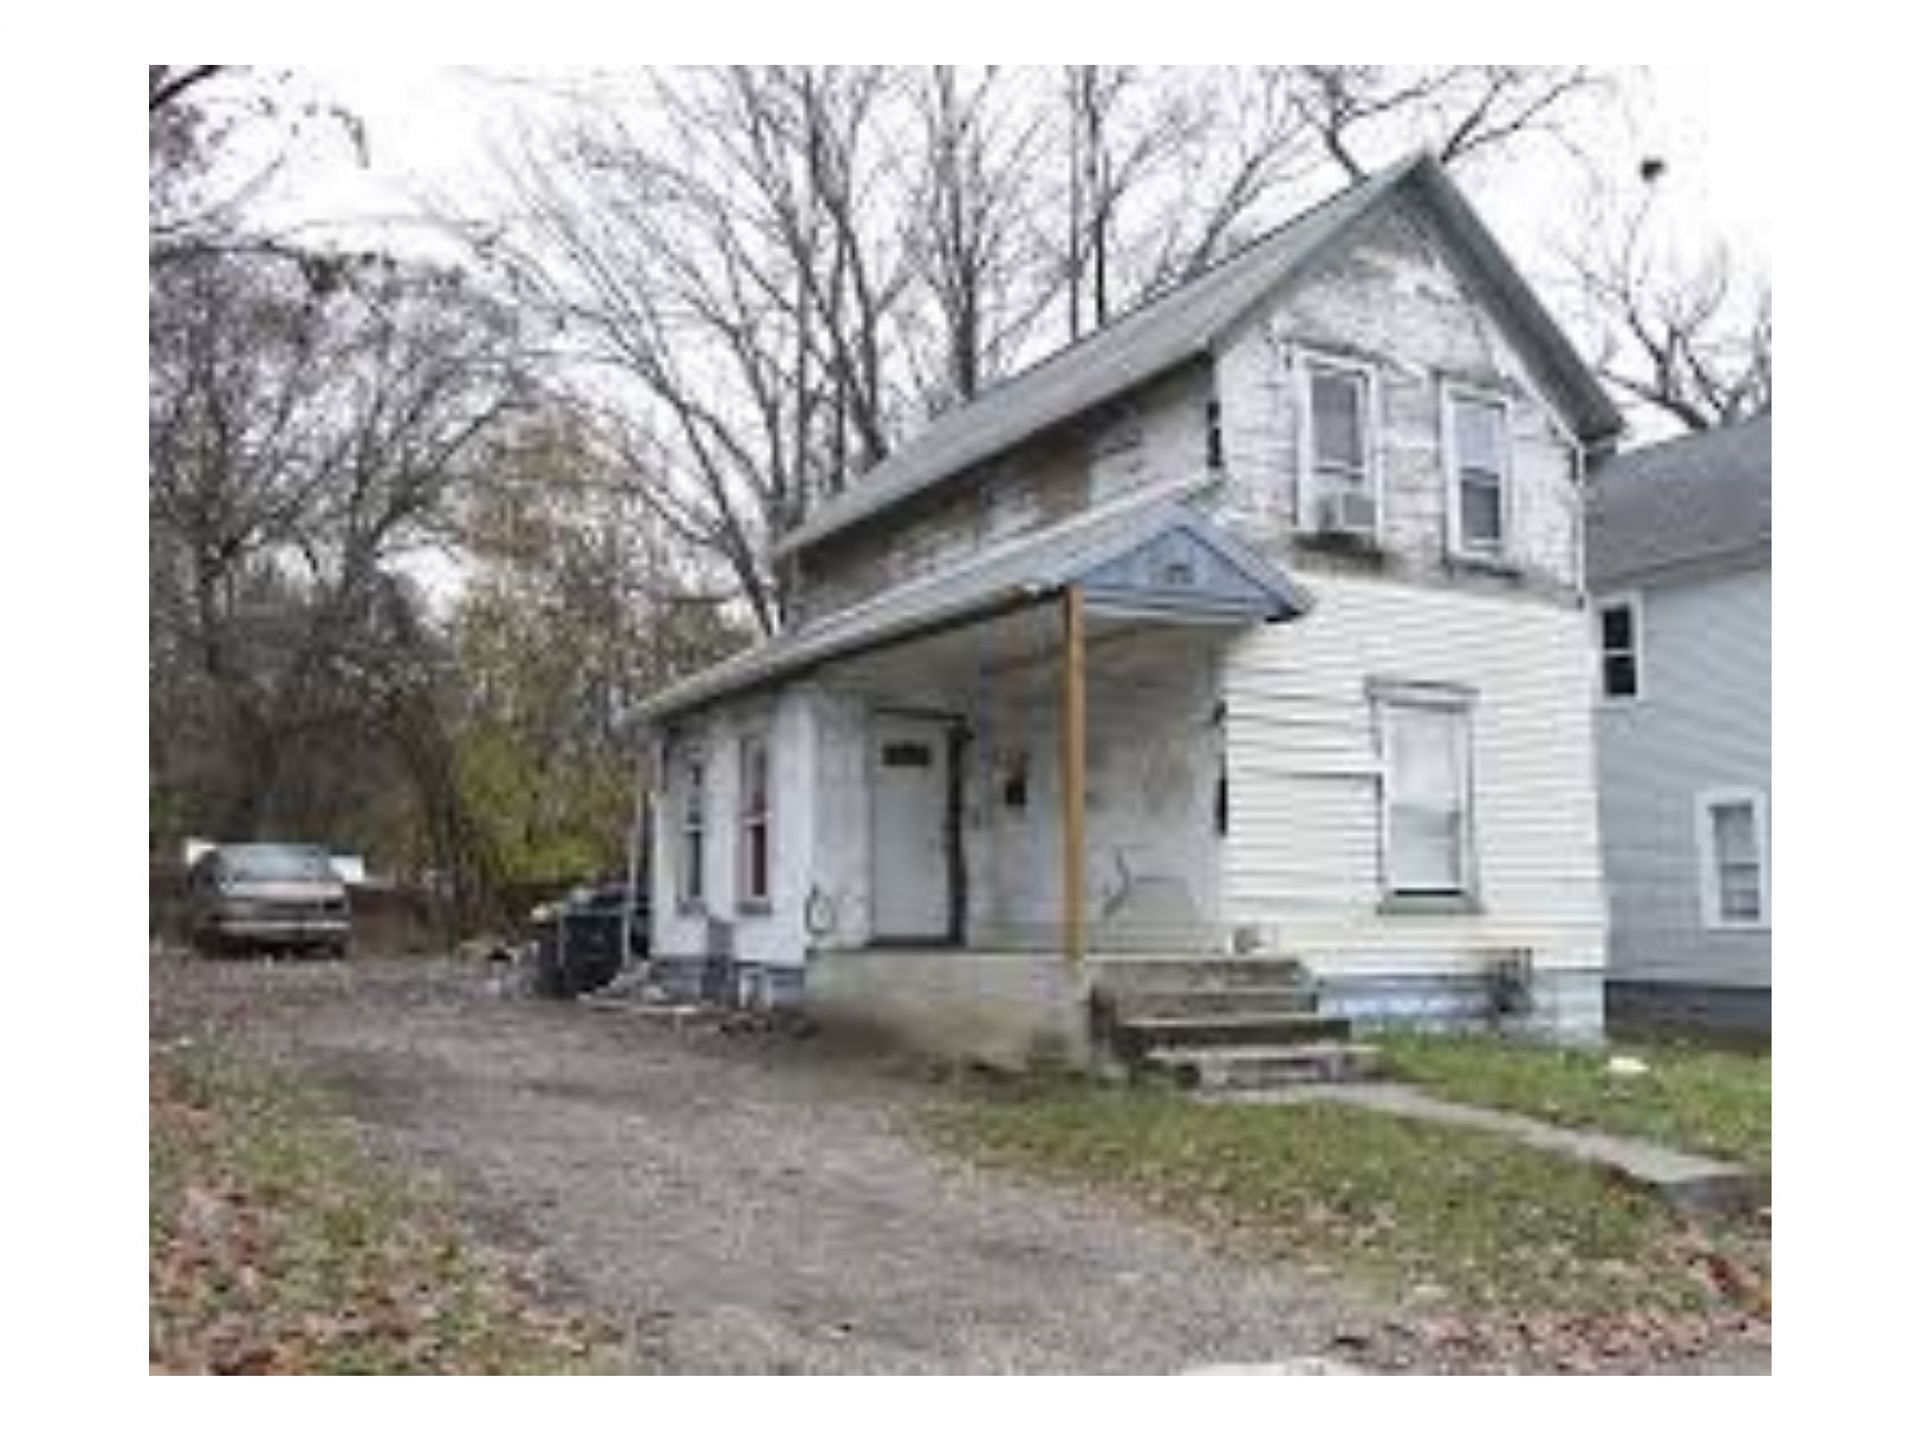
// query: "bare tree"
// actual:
[[218, 137], [726, 270], [1365, 115], [307, 425], [1675, 324], [975, 244]]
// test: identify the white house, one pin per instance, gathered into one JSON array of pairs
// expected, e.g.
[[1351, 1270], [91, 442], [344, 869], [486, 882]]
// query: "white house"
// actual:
[[1681, 565], [1247, 629]]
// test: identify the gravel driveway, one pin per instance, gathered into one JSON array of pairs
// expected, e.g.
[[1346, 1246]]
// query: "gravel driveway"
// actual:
[[746, 1202]]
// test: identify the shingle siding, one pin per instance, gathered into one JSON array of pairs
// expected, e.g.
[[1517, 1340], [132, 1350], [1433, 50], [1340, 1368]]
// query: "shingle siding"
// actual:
[[1393, 303]]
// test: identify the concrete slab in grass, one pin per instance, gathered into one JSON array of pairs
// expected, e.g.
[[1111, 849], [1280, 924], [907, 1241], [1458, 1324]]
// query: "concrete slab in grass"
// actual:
[[1689, 1182]]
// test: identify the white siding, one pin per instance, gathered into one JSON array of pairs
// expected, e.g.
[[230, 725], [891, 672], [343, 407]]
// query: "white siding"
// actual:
[[1303, 850], [776, 934], [1704, 722]]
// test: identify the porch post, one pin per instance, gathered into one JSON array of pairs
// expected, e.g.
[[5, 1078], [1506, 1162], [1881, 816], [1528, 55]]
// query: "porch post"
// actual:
[[1073, 775]]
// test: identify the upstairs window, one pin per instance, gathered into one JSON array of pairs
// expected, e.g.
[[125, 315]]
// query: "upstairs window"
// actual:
[[1620, 624], [693, 831], [1424, 796], [756, 819], [1337, 428], [1733, 860], [1477, 427]]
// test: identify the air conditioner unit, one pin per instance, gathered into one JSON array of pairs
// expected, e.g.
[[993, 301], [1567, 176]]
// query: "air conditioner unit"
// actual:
[[1348, 512]]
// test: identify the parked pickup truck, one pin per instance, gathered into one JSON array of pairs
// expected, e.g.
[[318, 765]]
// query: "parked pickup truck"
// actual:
[[260, 897]]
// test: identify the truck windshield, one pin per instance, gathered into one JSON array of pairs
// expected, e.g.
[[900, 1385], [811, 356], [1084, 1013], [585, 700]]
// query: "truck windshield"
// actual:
[[275, 862]]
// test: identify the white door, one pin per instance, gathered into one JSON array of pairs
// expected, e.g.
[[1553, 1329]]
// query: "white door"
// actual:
[[912, 867]]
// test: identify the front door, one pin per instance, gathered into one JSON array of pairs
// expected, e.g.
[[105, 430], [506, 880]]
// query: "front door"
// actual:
[[912, 845]]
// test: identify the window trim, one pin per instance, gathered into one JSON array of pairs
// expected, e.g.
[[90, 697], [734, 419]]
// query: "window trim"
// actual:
[[1451, 394], [747, 899], [1635, 604], [693, 784], [1309, 361], [1712, 913], [1450, 700]]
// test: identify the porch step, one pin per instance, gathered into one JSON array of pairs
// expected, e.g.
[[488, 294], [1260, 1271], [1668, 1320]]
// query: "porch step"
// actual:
[[1198, 973], [1145, 1033], [1264, 1067], [1125, 1006]]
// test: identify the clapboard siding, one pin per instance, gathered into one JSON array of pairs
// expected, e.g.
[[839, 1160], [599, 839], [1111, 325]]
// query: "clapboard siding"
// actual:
[[1302, 856], [1704, 723]]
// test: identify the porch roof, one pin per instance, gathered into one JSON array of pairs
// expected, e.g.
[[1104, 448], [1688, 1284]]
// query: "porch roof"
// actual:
[[1152, 557]]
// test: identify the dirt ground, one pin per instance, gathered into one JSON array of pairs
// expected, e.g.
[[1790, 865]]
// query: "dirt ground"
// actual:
[[751, 1202]]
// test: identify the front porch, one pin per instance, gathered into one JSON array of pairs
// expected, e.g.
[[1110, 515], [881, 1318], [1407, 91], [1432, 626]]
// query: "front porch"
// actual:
[[982, 786]]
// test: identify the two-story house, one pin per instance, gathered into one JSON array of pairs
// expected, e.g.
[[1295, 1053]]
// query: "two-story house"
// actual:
[[1680, 560], [1248, 626]]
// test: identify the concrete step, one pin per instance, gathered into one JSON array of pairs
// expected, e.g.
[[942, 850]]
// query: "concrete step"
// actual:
[[1197, 972], [1128, 1005], [1250, 1027], [1264, 1067]]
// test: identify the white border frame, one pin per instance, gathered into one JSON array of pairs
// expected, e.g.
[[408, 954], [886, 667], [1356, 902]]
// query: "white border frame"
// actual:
[[1306, 361], [1635, 601], [1450, 393], [1707, 874]]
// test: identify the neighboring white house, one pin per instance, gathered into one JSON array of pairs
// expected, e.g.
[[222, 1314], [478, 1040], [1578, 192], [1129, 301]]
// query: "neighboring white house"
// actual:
[[1251, 625], [1680, 564]]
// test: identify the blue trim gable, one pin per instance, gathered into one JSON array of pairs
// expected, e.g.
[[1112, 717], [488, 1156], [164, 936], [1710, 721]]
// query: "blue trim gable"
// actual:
[[1190, 569]]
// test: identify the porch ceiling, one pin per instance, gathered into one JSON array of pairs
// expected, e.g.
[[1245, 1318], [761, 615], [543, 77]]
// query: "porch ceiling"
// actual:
[[1152, 559]]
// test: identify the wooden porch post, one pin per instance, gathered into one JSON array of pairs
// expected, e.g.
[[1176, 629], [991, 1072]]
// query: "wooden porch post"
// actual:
[[1073, 775]]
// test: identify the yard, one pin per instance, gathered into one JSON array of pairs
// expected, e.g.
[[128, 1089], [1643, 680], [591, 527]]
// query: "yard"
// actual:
[[393, 1166], [276, 1246], [1693, 1097], [1467, 1230]]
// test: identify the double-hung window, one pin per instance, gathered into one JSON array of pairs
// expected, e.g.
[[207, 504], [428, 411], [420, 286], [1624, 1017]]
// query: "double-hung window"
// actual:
[[1620, 648], [1336, 448], [756, 822], [1426, 815], [1478, 459], [1734, 882], [693, 833]]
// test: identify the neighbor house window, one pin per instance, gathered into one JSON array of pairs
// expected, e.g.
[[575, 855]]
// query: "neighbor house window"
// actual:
[[1425, 820], [1733, 859], [756, 816], [1620, 626], [1477, 432], [693, 832]]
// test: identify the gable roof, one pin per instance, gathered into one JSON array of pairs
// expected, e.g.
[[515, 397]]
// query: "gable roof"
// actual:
[[1187, 322], [1696, 499], [1117, 554]]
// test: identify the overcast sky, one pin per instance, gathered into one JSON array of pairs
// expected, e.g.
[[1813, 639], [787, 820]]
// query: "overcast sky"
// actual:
[[428, 131]]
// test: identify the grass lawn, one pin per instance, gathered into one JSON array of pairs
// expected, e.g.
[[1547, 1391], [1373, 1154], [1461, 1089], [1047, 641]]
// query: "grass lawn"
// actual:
[[276, 1245], [1712, 1102], [1418, 1212]]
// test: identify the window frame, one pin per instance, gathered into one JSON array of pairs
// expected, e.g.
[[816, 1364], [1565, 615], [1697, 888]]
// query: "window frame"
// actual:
[[1310, 488], [691, 796], [747, 819], [1453, 394], [1712, 907], [1635, 605], [1457, 703]]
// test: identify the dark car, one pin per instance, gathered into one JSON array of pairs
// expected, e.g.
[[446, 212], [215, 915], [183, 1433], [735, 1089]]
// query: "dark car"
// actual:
[[268, 897], [582, 941]]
